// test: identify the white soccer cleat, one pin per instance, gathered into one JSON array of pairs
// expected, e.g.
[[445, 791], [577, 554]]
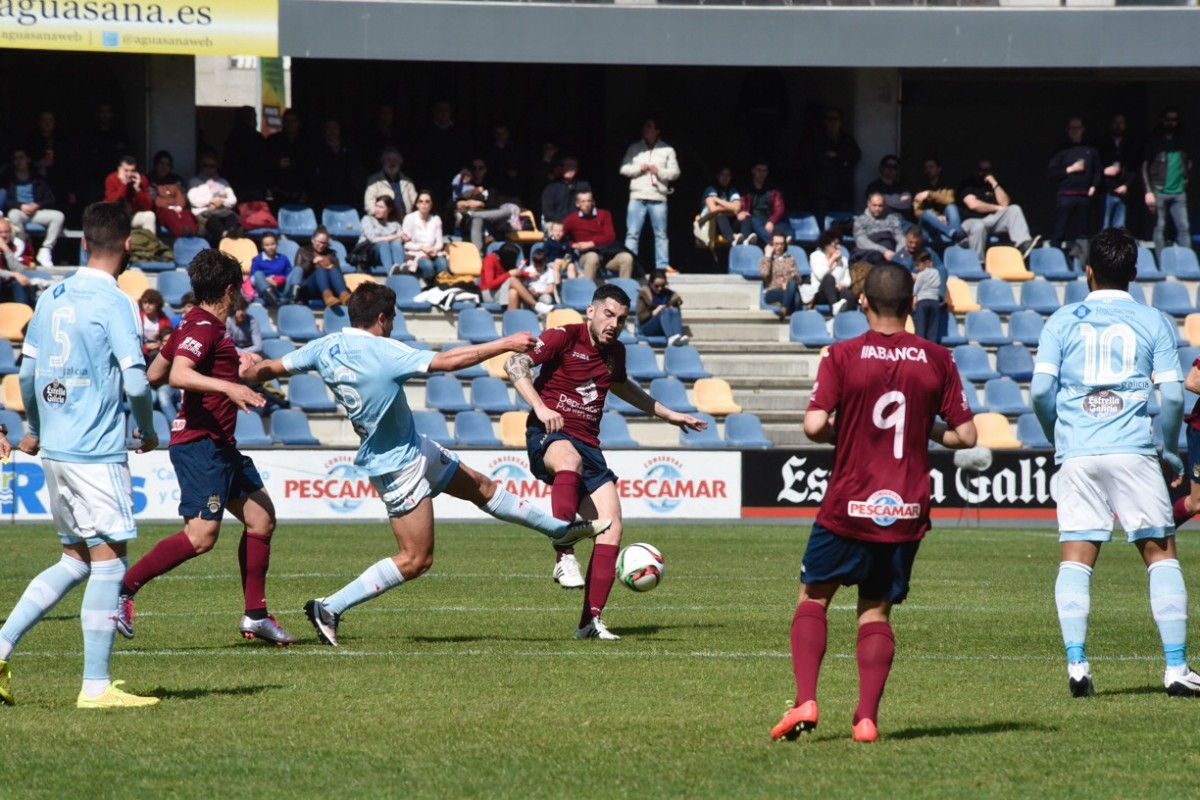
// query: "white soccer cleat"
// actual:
[[44, 258], [596, 629], [567, 574], [584, 529], [1079, 679], [1181, 682]]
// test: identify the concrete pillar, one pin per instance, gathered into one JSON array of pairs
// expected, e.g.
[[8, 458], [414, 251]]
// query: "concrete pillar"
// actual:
[[876, 122], [171, 110]]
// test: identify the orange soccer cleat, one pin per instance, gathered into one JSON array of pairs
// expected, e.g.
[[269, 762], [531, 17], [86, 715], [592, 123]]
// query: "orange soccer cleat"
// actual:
[[798, 719], [865, 731]]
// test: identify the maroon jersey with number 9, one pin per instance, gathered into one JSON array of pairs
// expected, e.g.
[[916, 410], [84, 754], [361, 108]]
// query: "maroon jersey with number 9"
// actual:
[[575, 378]]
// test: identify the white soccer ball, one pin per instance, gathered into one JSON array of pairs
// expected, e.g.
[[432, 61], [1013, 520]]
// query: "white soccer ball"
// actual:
[[641, 567]]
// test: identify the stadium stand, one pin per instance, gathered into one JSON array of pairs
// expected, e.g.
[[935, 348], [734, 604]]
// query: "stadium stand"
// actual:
[[745, 431], [298, 323], [996, 295], [249, 431], [474, 429], [995, 432], [186, 248], [714, 396], [433, 425], [614, 432], [672, 394], [444, 393], [297, 222], [290, 428], [512, 428], [1006, 264], [684, 363], [808, 328], [476, 326], [8, 359], [641, 363], [134, 283], [490, 395], [709, 438], [308, 393], [14, 317]]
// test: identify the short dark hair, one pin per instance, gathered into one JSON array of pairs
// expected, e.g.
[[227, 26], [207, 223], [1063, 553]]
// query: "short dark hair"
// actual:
[[508, 254], [127, 159], [610, 291], [1112, 256], [889, 290], [923, 256], [370, 300], [827, 238], [934, 159], [890, 157], [153, 297], [212, 273], [105, 228], [270, 235], [188, 299]]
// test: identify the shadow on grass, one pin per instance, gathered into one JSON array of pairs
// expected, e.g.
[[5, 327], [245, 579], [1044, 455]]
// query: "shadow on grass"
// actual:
[[1133, 690], [985, 729], [196, 694]]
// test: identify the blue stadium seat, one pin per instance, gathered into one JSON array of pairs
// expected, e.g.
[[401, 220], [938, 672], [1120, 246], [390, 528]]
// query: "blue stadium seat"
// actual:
[[444, 393], [672, 394], [1003, 396], [308, 393], [805, 229], [334, 320], [1147, 268], [801, 257], [973, 364], [474, 429], [641, 363], [433, 425], [490, 395], [973, 401], [406, 288], [983, 327], [1016, 362], [342, 222], [808, 328], [612, 403], [290, 248], [996, 296], [8, 359], [843, 219], [185, 249], [684, 363], [265, 326], [745, 432], [1181, 263], [400, 329], [577, 293], [1076, 292], [274, 349], [1173, 298], [614, 432], [1051, 264], [339, 250], [297, 222], [1137, 293], [477, 326], [1187, 357], [849, 324], [1025, 327], [1040, 296], [174, 284], [952, 335], [707, 439], [964, 263], [1030, 432], [744, 260], [298, 323], [469, 373], [522, 320], [249, 431], [290, 428], [629, 286], [16, 428]]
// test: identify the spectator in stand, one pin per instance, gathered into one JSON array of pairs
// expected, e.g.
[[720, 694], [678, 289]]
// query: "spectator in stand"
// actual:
[[212, 201], [445, 148], [1116, 155], [764, 204], [380, 137], [832, 158], [336, 174], [896, 196], [243, 329], [1077, 170], [156, 325], [558, 198], [288, 165], [131, 189], [1165, 176], [53, 157], [987, 210], [877, 233], [927, 299], [170, 201], [559, 252], [658, 311], [542, 174], [500, 281], [934, 205], [480, 206], [317, 274], [15, 285], [594, 240], [425, 249], [723, 204], [245, 155], [31, 200], [829, 280], [651, 167], [269, 271], [914, 245], [382, 229], [542, 280], [501, 154], [101, 147], [781, 277], [390, 182]]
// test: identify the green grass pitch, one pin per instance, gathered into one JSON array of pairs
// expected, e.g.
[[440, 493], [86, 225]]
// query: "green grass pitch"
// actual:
[[469, 682]]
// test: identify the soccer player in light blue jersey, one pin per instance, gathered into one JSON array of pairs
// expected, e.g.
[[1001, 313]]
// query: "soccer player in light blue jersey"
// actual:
[[1097, 365], [366, 370], [82, 355]]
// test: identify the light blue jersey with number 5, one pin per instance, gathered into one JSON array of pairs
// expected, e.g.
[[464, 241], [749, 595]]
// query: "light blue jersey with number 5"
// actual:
[[1108, 352]]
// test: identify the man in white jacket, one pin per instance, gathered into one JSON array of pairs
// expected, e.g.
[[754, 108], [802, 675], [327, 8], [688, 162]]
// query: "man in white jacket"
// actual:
[[651, 167]]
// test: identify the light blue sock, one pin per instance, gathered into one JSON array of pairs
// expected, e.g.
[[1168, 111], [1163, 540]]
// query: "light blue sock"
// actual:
[[41, 595], [1168, 603], [377, 579], [1073, 596], [98, 616], [507, 506]]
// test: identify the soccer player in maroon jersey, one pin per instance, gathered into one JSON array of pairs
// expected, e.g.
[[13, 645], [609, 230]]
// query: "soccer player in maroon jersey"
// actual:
[[876, 398], [200, 359], [580, 365]]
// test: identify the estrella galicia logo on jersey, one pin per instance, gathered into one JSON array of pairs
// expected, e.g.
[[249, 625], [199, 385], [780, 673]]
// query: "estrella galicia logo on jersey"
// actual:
[[1103, 404], [883, 508], [588, 393], [55, 394], [1082, 311]]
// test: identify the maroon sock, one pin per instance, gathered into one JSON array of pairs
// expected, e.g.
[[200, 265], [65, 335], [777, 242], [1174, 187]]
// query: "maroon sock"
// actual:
[[1182, 515], [601, 572], [809, 636], [876, 648], [166, 556], [254, 556], [564, 501]]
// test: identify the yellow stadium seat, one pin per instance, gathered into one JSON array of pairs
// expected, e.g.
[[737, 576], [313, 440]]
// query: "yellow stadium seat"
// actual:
[[13, 319], [464, 258], [531, 236], [714, 396], [995, 432], [495, 366], [958, 295], [909, 325], [356, 279], [242, 248], [1191, 329], [134, 283], [563, 316], [1005, 263], [512, 428], [11, 391]]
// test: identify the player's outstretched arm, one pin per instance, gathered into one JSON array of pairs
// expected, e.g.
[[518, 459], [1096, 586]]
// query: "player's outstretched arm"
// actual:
[[464, 357], [1043, 391], [520, 372], [186, 377], [964, 437], [159, 371], [636, 396], [819, 427], [265, 371]]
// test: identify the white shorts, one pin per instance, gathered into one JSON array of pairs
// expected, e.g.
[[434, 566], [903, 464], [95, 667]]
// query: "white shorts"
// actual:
[[1091, 489], [90, 503], [427, 476]]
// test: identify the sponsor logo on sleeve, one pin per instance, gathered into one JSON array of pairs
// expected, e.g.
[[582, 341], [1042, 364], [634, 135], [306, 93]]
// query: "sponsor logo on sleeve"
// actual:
[[883, 508], [1103, 404], [191, 345]]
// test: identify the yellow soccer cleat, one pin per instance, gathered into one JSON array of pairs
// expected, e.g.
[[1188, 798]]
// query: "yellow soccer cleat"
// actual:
[[6, 695], [114, 697]]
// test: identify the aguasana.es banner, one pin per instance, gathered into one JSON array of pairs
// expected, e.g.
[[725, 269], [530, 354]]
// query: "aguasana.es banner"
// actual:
[[173, 27]]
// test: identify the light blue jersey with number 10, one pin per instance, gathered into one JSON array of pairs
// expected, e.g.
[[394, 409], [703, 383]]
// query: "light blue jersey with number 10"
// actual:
[[1108, 352]]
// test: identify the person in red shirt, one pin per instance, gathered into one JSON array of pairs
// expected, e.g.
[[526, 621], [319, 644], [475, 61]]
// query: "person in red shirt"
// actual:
[[580, 365], [201, 360], [885, 389], [132, 189], [500, 280], [592, 236]]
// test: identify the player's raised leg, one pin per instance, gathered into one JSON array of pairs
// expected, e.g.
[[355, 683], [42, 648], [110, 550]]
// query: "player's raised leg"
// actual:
[[809, 637], [257, 514], [565, 494], [602, 567]]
